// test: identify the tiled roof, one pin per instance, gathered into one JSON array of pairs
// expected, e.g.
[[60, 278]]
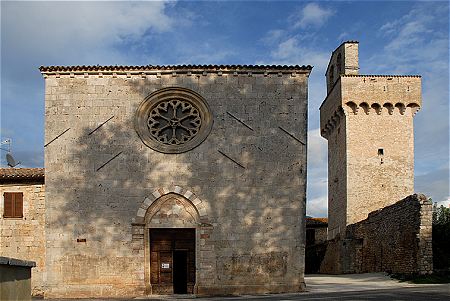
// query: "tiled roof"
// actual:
[[21, 174], [45, 69], [316, 221]]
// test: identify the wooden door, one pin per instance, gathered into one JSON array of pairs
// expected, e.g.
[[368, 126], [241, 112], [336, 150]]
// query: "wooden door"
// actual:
[[165, 245]]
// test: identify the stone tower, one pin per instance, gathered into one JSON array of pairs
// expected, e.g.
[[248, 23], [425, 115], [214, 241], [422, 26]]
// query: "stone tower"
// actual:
[[368, 122]]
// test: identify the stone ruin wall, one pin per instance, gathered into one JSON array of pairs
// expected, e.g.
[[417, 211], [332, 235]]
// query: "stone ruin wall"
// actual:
[[395, 239], [100, 180], [24, 238]]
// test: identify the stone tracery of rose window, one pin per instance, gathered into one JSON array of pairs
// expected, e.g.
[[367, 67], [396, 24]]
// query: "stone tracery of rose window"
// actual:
[[174, 122]]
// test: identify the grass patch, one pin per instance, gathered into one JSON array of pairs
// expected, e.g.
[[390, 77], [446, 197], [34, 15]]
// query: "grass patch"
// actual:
[[435, 278]]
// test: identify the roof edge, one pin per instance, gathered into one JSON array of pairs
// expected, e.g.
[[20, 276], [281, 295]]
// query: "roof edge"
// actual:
[[144, 68], [12, 175], [380, 75]]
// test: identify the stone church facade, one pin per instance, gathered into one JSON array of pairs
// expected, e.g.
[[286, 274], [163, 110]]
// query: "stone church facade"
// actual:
[[175, 179]]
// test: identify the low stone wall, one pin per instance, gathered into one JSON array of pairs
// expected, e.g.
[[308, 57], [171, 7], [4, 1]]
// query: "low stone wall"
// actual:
[[395, 239], [15, 279]]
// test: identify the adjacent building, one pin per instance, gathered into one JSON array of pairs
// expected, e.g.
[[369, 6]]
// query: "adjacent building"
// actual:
[[22, 220]]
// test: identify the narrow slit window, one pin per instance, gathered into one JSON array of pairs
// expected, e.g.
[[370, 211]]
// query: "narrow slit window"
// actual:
[[380, 152]]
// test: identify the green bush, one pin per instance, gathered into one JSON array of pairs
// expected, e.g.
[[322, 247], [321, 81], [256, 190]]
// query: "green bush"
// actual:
[[441, 238]]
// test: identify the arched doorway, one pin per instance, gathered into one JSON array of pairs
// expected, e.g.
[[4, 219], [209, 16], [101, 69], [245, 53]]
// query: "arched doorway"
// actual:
[[170, 236], [172, 260]]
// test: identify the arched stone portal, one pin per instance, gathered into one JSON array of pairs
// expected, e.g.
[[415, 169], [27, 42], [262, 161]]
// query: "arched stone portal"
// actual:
[[171, 224]]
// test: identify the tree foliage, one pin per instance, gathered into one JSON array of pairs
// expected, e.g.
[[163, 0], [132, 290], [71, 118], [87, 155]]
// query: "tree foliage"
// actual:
[[441, 237], [441, 215]]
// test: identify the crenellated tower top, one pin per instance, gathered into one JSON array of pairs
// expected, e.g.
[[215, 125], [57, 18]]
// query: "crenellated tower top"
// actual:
[[370, 94], [351, 93]]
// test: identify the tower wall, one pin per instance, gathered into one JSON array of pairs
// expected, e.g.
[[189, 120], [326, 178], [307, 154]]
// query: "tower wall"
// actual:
[[337, 176], [379, 142], [368, 122]]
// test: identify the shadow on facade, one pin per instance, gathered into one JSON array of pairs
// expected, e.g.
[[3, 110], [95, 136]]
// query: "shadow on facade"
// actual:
[[256, 210]]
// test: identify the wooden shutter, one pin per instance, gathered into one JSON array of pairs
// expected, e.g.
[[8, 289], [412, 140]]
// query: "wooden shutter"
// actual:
[[13, 204], [8, 207], [18, 204]]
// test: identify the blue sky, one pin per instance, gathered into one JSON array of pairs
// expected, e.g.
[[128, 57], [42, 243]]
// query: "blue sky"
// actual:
[[396, 37]]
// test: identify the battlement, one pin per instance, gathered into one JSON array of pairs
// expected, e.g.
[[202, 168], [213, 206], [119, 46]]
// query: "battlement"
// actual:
[[370, 94]]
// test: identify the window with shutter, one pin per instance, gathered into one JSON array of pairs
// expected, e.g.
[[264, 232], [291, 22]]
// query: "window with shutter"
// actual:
[[13, 204], [18, 204], [8, 205]]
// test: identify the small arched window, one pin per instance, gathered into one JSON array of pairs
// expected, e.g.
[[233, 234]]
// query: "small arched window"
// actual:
[[339, 64], [331, 76]]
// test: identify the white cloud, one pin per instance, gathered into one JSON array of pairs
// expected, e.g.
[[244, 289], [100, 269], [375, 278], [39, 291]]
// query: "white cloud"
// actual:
[[445, 203], [410, 34], [203, 53], [317, 194], [317, 149], [317, 207], [273, 36], [287, 49], [342, 36], [291, 51], [434, 184], [409, 29], [312, 15], [84, 30]]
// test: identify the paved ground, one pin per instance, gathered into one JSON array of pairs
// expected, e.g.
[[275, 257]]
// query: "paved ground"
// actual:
[[343, 287]]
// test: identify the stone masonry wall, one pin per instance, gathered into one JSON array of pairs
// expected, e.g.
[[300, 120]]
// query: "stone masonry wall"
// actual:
[[24, 238], [379, 121], [345, 58], [320, 234], [337, 177], [376, 165], [395, 239], [250, 181]]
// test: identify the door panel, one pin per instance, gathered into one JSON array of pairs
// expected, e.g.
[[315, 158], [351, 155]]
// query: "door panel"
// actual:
[[165, 267], [172, 255]]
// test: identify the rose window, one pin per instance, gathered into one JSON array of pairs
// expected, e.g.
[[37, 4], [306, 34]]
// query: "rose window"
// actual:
[[173, 120]]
